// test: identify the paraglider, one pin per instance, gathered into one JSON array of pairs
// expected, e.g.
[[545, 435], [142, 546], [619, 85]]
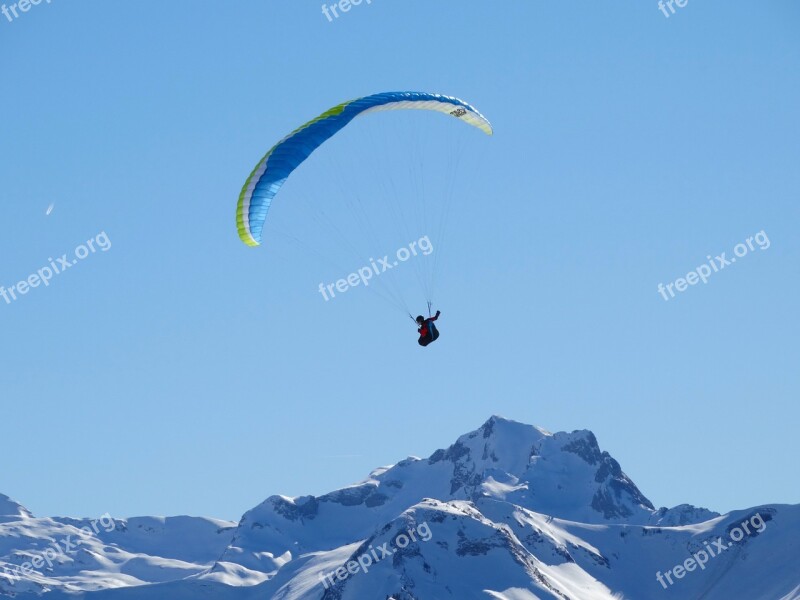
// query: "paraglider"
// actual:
[[273, 170], [428, 332]]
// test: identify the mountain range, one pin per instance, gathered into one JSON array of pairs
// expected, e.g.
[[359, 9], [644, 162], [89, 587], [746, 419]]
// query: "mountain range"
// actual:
[[507, 512]]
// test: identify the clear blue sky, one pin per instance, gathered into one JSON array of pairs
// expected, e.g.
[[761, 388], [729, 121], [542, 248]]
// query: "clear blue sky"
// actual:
[[184, 373]]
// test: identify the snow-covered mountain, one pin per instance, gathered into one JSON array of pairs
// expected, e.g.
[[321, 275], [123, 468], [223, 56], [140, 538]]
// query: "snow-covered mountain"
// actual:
[[509, 512], [39, 555]]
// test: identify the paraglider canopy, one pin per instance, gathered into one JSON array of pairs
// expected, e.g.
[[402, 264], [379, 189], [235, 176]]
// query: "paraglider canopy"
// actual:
[[282, 159]]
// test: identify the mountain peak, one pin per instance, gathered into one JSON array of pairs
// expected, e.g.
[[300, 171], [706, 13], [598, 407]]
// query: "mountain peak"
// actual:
[[499, 425], [499, 444]]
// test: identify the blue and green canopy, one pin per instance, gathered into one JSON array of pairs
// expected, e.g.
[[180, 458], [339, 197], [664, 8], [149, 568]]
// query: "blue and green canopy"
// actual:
[[284, 157]]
